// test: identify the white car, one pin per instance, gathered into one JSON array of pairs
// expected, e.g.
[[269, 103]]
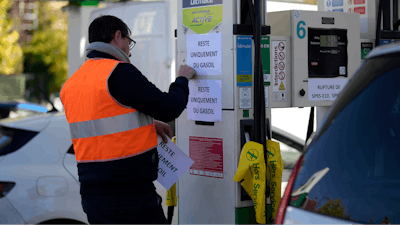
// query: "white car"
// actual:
[[39, 175], [38, 178]]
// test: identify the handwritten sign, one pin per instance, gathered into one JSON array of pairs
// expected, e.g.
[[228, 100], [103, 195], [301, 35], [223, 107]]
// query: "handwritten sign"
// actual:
[[205, 100], [173, 163], [204, 53]]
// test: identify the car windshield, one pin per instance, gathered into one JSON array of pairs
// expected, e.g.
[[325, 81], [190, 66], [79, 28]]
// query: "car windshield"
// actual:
[[289, 155], [352, 170]]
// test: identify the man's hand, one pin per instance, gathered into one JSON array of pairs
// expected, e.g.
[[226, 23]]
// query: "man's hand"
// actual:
[[186, 71], [162, 129]]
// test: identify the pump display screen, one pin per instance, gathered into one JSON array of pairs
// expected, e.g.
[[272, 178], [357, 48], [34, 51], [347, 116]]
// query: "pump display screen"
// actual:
[[327, 52], [329, 41]]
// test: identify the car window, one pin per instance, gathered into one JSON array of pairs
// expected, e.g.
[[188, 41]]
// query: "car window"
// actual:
[[13, 139], [352, 170], [289, 154], [71, 150]]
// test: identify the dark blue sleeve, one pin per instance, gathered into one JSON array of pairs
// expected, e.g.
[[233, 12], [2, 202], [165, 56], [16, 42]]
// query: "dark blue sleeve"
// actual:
[[129, 87]]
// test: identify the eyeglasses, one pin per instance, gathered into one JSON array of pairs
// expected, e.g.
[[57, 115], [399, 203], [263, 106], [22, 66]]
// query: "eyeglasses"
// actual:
[[131, 43]]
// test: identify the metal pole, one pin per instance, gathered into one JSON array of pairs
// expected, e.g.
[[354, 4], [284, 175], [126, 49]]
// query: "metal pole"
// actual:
[[257, 94]]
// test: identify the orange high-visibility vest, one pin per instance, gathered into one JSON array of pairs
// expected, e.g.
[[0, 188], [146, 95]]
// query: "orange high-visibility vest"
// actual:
[[103, 129]]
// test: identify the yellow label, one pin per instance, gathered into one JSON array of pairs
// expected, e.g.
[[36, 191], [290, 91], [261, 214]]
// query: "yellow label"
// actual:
[[274, 174], [281, 87], [244, 78], [171, 196], [251, 173], [171, 199]]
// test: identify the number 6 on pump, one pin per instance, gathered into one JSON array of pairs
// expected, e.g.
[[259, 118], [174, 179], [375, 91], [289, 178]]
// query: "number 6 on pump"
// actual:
[[303, 34]]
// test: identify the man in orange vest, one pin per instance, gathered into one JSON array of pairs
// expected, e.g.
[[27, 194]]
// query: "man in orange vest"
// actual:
[[115, 114]]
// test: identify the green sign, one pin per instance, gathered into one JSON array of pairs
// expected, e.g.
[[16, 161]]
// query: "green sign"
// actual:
[[266, 59], [90, 3], [366, 47], [202, 19]]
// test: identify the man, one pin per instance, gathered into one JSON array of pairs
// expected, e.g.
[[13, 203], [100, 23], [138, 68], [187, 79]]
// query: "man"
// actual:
[[110, 108]]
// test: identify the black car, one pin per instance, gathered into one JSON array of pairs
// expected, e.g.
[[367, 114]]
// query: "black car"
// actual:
[[349, 172]]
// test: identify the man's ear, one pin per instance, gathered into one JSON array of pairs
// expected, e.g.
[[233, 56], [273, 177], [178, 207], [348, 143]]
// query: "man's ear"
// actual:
[[117, 37]]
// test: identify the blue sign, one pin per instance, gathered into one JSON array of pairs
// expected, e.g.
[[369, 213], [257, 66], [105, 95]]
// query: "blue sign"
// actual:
[[244, 47], [336, 3], [385, 41], [337, 10]]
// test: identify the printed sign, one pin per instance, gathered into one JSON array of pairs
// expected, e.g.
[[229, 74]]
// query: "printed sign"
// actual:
[[205, 100], [325, 88], [265, 53], [245, 97], [356, 6], [204, 53], [201, 16], [199, 3], [208, 156], [244, 62], [385, 41], [173, 163], [366, 47], [279, 72]]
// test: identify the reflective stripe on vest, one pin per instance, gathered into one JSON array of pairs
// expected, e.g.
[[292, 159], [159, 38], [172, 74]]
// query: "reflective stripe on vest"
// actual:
[[101, 128], [110, 125]]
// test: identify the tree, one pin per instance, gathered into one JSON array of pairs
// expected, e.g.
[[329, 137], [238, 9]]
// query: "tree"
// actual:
[[334, 208], [46, 54], [11, 56]]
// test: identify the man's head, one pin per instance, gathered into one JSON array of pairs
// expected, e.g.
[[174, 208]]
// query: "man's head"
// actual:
[[112, 30]]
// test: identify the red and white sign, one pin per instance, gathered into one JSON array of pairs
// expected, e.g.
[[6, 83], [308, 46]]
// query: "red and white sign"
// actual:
[[281, 46], [207, 154], [281, 65], [282, 76], [353, 6], [279, 71], [359, 2], [360, 10]]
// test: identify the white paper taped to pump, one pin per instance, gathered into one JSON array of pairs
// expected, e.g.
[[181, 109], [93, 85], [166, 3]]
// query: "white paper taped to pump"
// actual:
[[205, 100], [204, 53]]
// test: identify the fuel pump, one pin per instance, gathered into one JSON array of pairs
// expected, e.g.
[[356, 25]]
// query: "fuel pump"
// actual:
[[215, 37], [308, 58], [367, 10]]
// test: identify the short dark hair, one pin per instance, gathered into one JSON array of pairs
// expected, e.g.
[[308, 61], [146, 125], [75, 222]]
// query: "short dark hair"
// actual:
[[104, 27]]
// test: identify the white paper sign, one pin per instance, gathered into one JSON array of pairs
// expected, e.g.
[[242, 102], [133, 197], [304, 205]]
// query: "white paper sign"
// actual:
[[204, 53], [173, 163], [205, 100], [325, 88]]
